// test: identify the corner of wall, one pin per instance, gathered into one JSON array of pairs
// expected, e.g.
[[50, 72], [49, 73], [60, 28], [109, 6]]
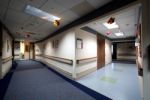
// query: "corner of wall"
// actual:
[[1, 40]]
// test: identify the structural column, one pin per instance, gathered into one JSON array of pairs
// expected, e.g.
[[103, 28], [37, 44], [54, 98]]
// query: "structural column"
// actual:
[[145, 47], [1, 42]]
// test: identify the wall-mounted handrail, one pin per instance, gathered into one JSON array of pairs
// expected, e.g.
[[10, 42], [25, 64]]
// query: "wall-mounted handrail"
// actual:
[[85, 60], [38, 55], [4, 60], [16, 55], [59, 59]]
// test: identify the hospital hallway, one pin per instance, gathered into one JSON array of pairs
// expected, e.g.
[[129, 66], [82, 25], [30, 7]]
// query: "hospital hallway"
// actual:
[[74, 50], [33, 80]]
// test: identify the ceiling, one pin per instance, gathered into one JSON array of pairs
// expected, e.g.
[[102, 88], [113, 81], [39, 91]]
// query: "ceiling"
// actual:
[[20, 23], [126, 19]]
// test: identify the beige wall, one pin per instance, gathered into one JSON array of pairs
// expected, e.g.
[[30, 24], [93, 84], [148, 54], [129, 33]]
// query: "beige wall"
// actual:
[[108, 52], [126, 51], [6, 52], [89, 50], [17, 50]]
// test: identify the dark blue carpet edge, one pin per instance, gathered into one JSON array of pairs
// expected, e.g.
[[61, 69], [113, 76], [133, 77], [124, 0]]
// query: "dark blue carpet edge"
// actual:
[[85, 89], [6, 80]]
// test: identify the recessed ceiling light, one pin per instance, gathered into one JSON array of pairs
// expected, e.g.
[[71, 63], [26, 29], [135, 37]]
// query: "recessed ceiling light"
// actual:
[[111, 26], [39, 13], [119, 34]]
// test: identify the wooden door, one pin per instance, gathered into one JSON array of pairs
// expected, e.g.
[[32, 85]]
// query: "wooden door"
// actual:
[[32, 51], [100, 52]]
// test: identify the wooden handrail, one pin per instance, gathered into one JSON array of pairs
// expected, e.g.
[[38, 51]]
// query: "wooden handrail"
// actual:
[[16, 55], [38, 55], [85, 59], [4, 60], [59, 59]]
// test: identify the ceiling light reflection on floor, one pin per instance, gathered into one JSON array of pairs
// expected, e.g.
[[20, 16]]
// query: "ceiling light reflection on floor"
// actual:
[[119, 34]]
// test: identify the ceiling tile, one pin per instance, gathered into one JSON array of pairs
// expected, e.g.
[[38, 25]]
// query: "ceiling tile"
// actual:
[[17, 5], [2, 12], [16, 16], [98, 3], [69, 3], [125, 19], [82, 8], [46, 28], [52, 7], [68, 16], [33, 23], [4, 3], [35, 3]]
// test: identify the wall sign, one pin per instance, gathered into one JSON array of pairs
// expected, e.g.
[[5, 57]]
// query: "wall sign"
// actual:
[[79, 43], [7, 45], [55, 43]]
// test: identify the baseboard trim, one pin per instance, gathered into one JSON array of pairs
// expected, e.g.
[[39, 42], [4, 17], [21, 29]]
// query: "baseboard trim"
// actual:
[[65, 73], [3, 74], [86, 72]]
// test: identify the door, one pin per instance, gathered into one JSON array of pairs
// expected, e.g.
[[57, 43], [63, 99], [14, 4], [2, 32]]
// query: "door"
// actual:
[[100, 51]]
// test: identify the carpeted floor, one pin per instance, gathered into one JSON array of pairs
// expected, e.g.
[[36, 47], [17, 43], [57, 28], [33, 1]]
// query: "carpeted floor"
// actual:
[[33, 81]]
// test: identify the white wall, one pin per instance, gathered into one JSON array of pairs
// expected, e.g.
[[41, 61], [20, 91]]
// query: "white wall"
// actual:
[[31, 51], [89, 44], [108, 52], [89, 50], [39, 51], [7, 43], [66, 49], [39, 48]]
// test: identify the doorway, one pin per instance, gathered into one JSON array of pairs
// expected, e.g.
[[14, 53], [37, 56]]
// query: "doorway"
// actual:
[[23, 50]]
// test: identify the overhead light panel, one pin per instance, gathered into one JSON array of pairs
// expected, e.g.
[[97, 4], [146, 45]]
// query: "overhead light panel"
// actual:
[[119, 34], [42, 14], [111, 26]]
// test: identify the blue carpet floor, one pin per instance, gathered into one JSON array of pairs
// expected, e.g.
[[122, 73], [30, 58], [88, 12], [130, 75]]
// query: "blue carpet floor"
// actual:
[[33, 81]]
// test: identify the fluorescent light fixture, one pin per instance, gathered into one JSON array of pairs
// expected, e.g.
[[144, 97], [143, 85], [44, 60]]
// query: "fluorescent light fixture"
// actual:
[[39, 13], [119, 34], [111, 26]]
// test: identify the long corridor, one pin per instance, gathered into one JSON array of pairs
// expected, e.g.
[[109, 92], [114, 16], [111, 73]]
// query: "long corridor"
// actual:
[[33, 81], [74, 50]]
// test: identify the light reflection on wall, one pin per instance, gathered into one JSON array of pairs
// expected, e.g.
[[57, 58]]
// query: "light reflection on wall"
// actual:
[[22, 47]]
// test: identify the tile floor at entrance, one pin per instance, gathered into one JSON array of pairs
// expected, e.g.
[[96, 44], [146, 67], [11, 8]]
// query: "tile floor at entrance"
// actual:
[[118, 81]]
